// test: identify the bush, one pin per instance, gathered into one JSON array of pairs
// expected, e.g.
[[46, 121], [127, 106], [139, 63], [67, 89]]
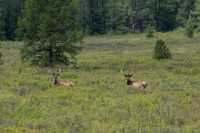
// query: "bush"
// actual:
[[149, 31], [189, 29], [161, 51]]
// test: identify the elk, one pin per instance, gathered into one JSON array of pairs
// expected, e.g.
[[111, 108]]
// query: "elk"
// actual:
[[65, 83], [139, 85]]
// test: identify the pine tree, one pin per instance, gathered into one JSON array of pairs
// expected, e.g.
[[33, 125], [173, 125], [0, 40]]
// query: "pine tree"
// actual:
[[196, 16], [186, 8], [149, 31], [2, 22], [51, 32], [165, 12], [189, 29], [161, 51], [2, 25], [97, 22], [1, 61], [117, 15], [9, 12]]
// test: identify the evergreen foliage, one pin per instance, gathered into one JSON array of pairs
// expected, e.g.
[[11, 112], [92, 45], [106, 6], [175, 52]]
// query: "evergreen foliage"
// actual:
[[1, 61], [150, 31], [189, 29], [2, 25], [2, 22], [186, 8], [51, 32], [161, 51], [10, 10], [105, 16]]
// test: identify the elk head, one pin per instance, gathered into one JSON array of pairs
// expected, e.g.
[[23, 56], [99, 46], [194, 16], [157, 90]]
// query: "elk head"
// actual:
[[128, 75], [55, 77]]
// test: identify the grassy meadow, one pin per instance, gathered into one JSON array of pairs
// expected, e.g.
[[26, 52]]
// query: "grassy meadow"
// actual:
[[100, 101]]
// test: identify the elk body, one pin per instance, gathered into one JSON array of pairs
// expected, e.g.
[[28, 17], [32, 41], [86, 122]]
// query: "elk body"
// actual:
[[139, 85], [65, 83]]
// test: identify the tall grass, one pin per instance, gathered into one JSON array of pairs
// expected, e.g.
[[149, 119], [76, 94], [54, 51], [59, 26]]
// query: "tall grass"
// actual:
[[100, 101]]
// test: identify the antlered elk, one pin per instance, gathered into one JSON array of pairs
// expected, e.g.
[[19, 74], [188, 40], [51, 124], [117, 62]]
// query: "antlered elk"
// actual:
[[139, 85], [65, 83]]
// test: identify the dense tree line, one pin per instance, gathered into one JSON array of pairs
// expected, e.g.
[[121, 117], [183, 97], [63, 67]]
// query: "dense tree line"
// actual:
[[105, 16], [10, 10]]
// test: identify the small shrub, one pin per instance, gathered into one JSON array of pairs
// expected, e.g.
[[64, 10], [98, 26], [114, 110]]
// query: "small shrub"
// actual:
[[189, 29], [150, 31], [161, 51]]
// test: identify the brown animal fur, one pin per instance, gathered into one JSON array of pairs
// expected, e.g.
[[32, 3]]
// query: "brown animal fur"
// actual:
[[65, 83], [138, 85]]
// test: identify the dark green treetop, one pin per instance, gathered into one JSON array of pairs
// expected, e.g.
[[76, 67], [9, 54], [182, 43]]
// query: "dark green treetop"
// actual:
[[51, 32]]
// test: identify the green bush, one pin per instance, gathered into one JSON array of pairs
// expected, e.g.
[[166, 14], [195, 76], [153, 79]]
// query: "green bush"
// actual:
[[149, 31], [189, 28], [161, 51]]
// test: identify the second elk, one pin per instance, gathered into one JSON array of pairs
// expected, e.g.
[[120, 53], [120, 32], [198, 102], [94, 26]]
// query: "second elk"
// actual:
[[64, 83], [135, 84]]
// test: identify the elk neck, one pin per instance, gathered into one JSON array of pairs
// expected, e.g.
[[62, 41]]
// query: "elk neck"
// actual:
[[56, 81]]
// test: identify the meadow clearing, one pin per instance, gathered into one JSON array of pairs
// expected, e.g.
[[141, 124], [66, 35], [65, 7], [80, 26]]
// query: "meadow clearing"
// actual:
[[100, 101]]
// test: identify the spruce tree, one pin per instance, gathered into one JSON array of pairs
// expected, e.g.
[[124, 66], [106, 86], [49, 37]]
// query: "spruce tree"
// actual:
[[51, 32], [189, 29], [2, 22], [161, 51], [149, 31], [1, 61], [185, 10], [97, 22], [2, 29]]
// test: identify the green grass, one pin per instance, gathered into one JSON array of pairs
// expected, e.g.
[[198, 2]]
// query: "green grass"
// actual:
[[100, 101]]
